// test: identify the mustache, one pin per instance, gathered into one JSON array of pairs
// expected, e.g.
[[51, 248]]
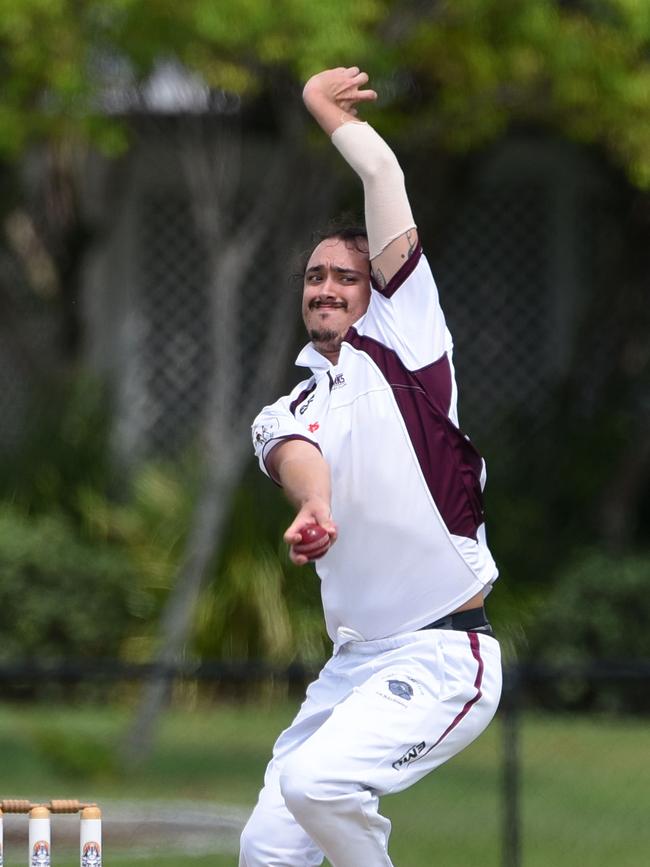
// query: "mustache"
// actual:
[[322, 302]]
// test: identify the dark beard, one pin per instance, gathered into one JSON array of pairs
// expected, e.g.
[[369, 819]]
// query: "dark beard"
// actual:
[[325, 338]]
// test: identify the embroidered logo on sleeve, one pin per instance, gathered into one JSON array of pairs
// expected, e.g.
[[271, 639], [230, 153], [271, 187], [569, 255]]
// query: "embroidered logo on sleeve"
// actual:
[[265, 432], [313, 427]]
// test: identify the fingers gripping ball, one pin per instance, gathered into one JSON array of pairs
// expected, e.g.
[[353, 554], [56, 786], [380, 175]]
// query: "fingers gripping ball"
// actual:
[[315, 542]]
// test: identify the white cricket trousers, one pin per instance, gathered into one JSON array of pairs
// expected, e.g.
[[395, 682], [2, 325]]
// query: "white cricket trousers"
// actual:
[[381, 715]]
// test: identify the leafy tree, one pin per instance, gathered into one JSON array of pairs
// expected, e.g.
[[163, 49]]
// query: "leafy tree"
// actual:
[[62, 59], [470, 67], [579, 68]]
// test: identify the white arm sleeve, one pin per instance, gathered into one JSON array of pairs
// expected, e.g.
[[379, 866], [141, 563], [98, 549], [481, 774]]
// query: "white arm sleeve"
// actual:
[[387, 208]]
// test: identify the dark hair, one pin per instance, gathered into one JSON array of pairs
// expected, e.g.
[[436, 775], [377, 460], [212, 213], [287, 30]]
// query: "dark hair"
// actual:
[[342, 229]]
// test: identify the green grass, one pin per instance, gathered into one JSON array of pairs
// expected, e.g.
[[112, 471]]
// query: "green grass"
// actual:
[[585, 793]]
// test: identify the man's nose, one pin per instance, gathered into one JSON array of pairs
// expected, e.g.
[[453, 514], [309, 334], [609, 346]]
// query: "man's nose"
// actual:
[[327, 287]]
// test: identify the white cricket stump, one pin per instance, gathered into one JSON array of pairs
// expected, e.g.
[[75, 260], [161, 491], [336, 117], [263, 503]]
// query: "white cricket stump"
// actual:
[[40, 839], [90, 839]]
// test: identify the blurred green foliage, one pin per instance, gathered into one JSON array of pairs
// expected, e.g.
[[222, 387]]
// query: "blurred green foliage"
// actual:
[[258, 605], [61, 595], [60, 59], [86, 757], [87, 557], [63, 592], [598, 608], [65, 447], [552, 479], [452, 74], [582, 69]]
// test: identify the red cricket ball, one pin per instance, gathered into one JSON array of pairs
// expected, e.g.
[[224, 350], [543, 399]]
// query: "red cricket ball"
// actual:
[[315, 542]]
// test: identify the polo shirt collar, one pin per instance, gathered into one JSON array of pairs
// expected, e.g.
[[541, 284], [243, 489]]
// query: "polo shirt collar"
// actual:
[[310, 357]]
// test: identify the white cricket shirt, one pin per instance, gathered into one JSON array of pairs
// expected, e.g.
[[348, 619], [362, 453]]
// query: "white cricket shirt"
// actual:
[[406, 482]]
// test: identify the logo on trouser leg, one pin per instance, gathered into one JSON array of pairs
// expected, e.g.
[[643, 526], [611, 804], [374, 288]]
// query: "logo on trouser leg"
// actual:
[[410, 755], [401, 689]]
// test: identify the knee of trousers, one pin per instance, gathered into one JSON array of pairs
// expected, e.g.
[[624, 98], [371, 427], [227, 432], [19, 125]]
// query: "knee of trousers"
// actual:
[[271, 840], [254, 843], [307, 795], [248, 855]]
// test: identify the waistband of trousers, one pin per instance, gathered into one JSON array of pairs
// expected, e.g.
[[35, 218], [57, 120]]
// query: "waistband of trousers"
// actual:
[[472, 620]]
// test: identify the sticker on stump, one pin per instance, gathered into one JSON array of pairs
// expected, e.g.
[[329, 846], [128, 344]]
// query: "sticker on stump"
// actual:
[[91, 855], [41, 854]]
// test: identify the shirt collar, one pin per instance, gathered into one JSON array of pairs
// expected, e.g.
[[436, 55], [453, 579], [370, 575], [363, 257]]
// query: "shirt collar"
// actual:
[[311, 357]]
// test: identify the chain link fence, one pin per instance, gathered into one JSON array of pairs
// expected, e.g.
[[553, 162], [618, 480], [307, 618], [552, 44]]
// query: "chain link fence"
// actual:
[[175, 352], [520, 253]]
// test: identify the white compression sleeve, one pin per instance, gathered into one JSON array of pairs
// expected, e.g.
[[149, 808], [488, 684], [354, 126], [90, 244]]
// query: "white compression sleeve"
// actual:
[[387, 208]]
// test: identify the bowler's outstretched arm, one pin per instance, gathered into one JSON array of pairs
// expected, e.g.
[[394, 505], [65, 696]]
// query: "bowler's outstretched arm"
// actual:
[[331, 97]]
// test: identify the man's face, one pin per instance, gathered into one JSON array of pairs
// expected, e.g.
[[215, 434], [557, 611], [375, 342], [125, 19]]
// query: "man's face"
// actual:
[[336, 292]]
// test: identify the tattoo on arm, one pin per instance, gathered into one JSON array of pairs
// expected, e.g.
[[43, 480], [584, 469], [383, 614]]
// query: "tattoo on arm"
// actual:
[[391, 260], [412, 238]]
